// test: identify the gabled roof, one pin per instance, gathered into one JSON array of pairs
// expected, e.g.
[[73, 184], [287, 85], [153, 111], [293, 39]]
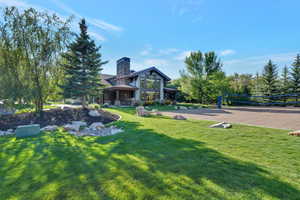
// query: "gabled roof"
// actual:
[[105, 78], [150, 69]]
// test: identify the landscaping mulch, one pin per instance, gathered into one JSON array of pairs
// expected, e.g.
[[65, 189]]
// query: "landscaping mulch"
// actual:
[[55, 117]]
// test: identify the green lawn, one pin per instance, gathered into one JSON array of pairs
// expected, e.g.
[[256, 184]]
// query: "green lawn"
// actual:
[[156, 158]]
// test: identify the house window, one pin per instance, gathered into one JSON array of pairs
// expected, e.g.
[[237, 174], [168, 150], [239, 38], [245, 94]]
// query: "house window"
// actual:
[[150, 86], [150, 96], [150, 81]]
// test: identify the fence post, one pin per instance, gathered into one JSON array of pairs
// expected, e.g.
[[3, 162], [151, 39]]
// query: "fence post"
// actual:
[[219, 102]]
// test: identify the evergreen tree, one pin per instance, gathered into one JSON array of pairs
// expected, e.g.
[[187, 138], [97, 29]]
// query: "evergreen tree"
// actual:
[[83, 67], [295, 75], [270, 78], [285, 80]]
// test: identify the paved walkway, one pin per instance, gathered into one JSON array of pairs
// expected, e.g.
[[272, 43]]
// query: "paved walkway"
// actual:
[[272, 117]]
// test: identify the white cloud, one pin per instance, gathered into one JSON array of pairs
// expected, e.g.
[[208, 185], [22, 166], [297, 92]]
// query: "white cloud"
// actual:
[[65, 8], [147, 50], [182, 55], [155, 62], [16, 3], [95, 22], [144, 52], [24, 5], [104, 25], [184, 7], [168, 51], [100, 24], [227, 52]]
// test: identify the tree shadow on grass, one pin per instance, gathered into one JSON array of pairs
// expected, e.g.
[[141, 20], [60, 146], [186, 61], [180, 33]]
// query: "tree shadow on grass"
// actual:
[[138, 164]]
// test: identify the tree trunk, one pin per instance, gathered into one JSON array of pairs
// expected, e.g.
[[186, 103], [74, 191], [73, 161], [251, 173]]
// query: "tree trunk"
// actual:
[[83, 102]]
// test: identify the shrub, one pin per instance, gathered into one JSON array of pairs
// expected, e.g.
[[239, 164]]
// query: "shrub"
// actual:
[[95, 106], [148, 103], [168, 102]]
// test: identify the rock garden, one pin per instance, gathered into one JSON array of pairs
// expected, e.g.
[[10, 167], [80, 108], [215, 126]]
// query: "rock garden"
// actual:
[[76, 121]]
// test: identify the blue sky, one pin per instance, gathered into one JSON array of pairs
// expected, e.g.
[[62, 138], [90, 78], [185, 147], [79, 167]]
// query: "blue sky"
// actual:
[[160, 33]]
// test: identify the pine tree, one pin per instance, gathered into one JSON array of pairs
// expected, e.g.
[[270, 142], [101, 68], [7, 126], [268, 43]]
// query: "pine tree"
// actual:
[[82, 68], [295, 75], [285, 80], [270, 78]]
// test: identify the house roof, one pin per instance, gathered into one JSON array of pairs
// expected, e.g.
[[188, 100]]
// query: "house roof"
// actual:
[[150, 69], [104, 79]]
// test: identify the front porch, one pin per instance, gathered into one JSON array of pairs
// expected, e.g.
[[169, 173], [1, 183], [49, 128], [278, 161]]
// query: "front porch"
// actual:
[[119, 95]]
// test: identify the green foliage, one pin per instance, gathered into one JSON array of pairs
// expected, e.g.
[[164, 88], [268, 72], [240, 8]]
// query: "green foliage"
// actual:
[[148, 103], [203, 81], [241, 84], [180, 95], [270, 79], [199, 64], [285, 82], [31, 42], [82, 68], [94, 106], [295, 75]]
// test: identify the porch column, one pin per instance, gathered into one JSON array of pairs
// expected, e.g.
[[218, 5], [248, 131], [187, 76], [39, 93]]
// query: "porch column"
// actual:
[[117, 102]]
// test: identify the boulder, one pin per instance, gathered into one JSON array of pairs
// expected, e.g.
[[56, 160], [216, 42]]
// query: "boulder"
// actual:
[[2, 133], [71, 127], [88, 131], [97, 126], [221, 125], [183, 108], [295, 133], [114, 130], [141, 112], [179, 117], [8, 132], [94, 113], [158, 114], [28, 130], [50, 128], [79, 123]]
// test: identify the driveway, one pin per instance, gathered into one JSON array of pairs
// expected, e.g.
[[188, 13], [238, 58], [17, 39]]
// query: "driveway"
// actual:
[[272, 117]]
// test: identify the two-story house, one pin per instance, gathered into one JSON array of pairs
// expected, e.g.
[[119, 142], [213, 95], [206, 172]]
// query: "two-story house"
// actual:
[[129, 87]]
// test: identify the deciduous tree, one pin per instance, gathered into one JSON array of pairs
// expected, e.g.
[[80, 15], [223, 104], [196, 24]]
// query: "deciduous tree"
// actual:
[[35, 40]]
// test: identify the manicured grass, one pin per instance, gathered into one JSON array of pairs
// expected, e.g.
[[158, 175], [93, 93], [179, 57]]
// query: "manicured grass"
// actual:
[[156, 158]]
